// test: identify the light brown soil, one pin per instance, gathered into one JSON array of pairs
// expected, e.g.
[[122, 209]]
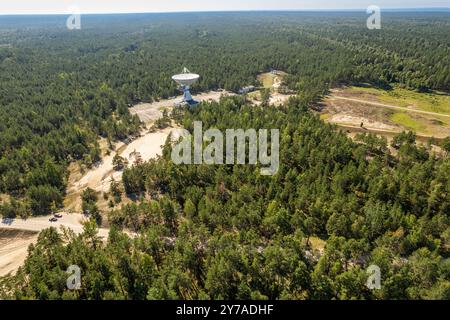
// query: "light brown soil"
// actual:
[[345, 119], [149, 112], [17, 234], [388, 106], [14, 249], [350, 110], [272, 81], [73, 221]]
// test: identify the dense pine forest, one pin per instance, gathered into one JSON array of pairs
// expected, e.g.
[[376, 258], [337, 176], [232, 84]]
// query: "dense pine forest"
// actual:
[[225, 231]]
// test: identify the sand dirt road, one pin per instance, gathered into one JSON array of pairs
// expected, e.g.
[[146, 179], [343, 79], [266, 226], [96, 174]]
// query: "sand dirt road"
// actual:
[[14, 249], [16, 235], [148, 112], [382, 105], [36, 224], [149, 146]]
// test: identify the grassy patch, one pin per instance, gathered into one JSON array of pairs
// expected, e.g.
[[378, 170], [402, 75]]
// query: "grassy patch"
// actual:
[[406, 121], [254, 95], [317, 243], [325, 116], [431, 102], [267, 79]]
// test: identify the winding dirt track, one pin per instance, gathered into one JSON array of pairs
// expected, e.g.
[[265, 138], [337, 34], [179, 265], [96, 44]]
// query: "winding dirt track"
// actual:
[[36, 224], [13, 249], [99, 178], [377, 104], [17, 234]]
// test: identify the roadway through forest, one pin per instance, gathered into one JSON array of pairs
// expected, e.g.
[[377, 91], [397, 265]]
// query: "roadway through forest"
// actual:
[[72, 221], [148, 145], [16, 235]]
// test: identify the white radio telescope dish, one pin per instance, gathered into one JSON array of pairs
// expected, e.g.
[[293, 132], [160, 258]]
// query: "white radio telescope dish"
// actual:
[[185, 80]]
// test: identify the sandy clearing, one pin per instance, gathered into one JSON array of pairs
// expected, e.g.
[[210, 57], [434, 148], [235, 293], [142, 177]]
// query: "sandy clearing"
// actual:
[[345, 119], [272, 80], [14, 249], [148, 112], [277, 82], [96, 178], [148, 145], [348, 111], [377, 104], [276, 99], [279, 99], [73, 221], [99, 178], [16, 235], [352, 131]]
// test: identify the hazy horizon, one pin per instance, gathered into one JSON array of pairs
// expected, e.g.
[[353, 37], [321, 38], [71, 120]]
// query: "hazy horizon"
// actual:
[[399, 9], [26, 7]]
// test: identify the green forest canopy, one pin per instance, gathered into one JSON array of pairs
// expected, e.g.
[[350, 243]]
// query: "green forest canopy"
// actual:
[[225, 231]]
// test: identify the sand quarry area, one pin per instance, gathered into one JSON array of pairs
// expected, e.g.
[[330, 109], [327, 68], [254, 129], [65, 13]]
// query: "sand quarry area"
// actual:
[[148, 145], [366, 110], [17, 234]]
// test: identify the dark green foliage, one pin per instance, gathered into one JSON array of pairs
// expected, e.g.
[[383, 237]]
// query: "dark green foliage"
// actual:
[[310, 231], [89, 205]]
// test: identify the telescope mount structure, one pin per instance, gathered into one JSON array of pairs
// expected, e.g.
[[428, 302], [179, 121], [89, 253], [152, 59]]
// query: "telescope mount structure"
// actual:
[[185, 80]]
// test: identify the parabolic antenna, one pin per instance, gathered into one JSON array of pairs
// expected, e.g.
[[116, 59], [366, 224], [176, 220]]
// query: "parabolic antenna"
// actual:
[[185, 80]]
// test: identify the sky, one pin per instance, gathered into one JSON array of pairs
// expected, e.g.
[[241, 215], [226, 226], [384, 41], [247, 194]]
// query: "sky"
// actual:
[[122, 6]]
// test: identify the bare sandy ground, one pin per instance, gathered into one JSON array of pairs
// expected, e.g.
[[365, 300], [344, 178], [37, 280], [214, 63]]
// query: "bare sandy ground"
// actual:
[[345, 119], [148, 112], [382, 105], [16, 235], [36, 224], [276, 98], [149, 146], [350, 112], [14, 249], [279, 99]]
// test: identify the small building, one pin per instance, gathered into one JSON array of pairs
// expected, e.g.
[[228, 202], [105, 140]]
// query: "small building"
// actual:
[[247, 89]]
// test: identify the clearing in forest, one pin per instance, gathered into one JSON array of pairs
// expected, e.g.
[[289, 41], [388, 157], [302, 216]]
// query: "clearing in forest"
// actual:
[[273, 81], [149, 112], [381, 111], [14, 249]]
